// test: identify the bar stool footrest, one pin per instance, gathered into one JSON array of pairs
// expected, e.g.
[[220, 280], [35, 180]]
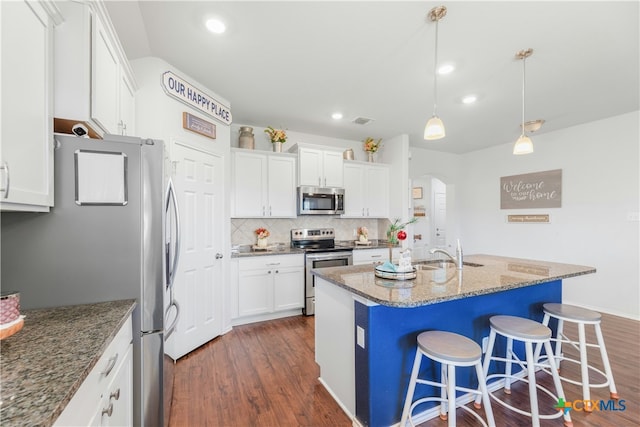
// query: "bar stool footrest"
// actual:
[[520, 411]]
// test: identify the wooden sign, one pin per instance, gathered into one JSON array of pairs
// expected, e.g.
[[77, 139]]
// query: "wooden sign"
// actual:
[[198, 125], [532, 190], [529, 218]]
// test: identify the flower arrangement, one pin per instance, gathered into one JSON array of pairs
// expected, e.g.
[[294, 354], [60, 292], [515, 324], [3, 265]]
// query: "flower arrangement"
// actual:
[[262, 233], [276, 135], [371, 145], [395, 230], [362, 231]]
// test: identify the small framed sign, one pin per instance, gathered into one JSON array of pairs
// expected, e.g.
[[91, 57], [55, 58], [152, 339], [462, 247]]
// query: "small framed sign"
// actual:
[[535, 218], [416, 192], [198, 125]]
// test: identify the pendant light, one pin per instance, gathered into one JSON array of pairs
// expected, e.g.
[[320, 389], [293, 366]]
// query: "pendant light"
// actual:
[[435, 128], [523, 144]]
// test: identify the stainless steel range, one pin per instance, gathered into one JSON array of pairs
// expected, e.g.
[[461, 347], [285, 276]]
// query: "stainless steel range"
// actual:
[[320, 251]]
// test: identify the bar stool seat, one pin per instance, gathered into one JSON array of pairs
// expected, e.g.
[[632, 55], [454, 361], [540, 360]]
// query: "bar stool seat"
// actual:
[[580, 316], [529, 332], [450, 350]]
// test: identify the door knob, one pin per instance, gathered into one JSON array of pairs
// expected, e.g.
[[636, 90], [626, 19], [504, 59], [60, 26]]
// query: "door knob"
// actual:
[[219, 255]]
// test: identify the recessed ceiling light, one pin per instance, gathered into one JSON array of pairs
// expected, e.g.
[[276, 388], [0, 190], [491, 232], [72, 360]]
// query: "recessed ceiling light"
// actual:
[[216, 26], [469, 99], [336, 116], [446, 69]]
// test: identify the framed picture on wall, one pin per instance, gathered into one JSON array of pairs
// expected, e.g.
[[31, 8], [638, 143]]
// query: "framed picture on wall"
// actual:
[[416, 192]]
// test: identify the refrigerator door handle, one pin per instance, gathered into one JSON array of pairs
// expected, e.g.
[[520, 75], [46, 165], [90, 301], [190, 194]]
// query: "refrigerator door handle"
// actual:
[[171, 328], [172, 202]]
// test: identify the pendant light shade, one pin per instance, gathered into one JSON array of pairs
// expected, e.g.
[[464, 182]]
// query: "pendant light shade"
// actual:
[[523, 145], [435, 128]]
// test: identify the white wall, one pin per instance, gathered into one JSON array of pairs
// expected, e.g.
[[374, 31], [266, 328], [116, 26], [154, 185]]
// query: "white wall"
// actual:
[[595, 225]]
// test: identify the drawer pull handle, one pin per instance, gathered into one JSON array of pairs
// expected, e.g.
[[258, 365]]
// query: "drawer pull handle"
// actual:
[[115, 394], [273, 263], [112, 363], [376, 256], [108, 411]]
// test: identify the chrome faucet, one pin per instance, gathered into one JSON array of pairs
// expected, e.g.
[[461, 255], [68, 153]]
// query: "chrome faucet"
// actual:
[[457, 259]]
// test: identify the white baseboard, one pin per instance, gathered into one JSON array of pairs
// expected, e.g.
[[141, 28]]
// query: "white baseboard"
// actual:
[[351, 416]]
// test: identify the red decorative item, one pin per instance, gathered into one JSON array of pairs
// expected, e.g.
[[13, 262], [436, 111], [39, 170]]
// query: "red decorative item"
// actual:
[[402, 235]]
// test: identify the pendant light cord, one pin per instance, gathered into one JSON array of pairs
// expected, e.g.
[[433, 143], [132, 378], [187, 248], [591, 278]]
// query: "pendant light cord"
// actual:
[[524, 73], [435, 73]]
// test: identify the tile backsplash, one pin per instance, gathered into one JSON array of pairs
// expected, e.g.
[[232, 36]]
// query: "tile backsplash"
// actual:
[[242, 229]]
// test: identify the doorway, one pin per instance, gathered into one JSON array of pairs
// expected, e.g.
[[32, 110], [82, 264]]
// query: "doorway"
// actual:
[[429, 203]]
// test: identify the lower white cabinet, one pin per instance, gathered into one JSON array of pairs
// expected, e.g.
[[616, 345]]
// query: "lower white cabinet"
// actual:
[[268, 287], [374, 256], [105, 398]]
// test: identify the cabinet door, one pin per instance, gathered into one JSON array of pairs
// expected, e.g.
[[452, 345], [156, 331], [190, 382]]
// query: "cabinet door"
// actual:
[[255, 292], [26, 139], [310, 167], [377, 191], [333, 169], [127, 107], [288, 289], [354, 195], [249, 185], [282, 186], [104, 85], [118, 398]]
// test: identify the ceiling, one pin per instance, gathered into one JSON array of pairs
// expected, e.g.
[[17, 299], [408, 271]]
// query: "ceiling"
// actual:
[[292, 64]]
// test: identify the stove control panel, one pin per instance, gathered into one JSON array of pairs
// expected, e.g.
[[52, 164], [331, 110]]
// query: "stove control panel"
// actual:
[[312, 234]]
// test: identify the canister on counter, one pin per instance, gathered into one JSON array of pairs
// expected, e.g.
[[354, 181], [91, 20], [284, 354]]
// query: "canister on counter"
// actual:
[[10, 319]]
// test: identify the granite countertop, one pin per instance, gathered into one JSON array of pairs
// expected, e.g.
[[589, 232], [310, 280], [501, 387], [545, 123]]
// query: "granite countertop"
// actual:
[[242, 251], [439, 281], [44, 364]]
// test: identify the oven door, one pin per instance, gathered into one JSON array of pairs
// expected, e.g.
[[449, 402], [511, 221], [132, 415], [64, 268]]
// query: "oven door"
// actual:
[[321, 260]]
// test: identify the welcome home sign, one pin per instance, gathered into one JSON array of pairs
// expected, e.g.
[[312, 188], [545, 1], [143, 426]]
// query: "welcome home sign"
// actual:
[[531, 190], [185, 92]]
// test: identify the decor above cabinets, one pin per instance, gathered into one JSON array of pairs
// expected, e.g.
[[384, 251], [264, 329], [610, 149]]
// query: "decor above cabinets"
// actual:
[[366, 187], [263, 184], [93, 80], [318, 166]]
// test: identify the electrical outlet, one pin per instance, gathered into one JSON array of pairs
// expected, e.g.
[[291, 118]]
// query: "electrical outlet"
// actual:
[[485, 343], [360, 336]]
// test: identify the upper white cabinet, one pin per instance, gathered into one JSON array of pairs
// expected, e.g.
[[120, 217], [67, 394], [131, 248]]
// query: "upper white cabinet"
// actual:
[[93, 80], [366, 187], [320, 168], [264, 184], [26, 119]]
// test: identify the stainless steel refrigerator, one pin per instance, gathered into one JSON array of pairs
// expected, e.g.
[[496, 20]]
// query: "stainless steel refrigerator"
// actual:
[[113, 234]]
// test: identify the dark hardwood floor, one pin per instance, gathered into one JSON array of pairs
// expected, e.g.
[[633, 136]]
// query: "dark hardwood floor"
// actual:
[[264, 374]]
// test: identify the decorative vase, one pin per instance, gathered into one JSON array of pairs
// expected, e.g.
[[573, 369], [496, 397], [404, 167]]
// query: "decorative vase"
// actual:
[[277, 147], [262, 243], [370, 156], [246, 139], [363, 239]]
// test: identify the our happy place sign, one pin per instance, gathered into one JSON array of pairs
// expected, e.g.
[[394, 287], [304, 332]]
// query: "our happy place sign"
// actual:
[[531, 190]]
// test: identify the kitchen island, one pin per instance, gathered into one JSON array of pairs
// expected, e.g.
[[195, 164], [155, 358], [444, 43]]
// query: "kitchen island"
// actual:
[[366, 327]]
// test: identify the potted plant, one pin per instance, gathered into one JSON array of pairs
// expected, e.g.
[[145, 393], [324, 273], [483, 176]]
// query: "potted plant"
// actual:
[[262, 234], [363, 235], [277, 137], [371, 146]]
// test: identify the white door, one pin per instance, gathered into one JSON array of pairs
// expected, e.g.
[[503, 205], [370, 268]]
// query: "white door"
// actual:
[[199, 182], [439, 220]]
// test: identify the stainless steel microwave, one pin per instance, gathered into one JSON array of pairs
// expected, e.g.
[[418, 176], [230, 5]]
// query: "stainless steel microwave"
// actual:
[[320, 201]]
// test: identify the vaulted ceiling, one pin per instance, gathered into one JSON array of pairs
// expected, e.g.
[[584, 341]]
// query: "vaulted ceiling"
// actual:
[[293, 63]]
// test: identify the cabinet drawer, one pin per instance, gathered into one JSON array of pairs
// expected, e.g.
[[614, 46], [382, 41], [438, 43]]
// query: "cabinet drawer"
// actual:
[[367, 256], [88, 396], [262, 262]]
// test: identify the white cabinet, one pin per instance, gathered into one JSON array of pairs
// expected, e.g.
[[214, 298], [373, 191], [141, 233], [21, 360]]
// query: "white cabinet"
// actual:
[[264, 185], [268, 287], [366, 190], [93, 79], [105, 398], [26, 119], [374, 256], [320, 168]]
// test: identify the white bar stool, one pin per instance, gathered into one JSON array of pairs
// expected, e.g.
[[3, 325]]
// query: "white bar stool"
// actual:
[[529, 332], [580, 316], [450, 350]]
